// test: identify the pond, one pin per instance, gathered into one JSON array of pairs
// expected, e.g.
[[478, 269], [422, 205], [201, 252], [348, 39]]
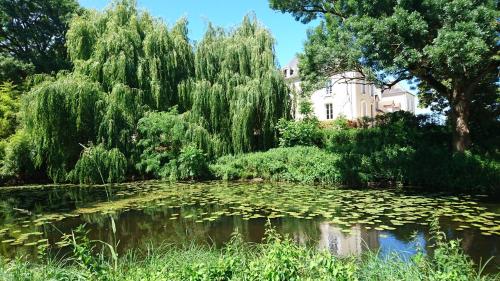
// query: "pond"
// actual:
[[345, 222]]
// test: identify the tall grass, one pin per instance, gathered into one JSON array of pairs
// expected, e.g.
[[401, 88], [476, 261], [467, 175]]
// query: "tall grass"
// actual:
[[278, 258]]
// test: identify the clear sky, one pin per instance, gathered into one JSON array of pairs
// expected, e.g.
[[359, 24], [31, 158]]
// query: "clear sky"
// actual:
[[289, 34]]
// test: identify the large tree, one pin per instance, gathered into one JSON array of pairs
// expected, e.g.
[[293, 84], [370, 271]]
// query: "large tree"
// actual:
[[237, 94], [449, 48], [125, 63], [33, 32]]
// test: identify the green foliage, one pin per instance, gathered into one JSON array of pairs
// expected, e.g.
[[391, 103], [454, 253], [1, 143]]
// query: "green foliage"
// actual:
[[171, 146], [97, 165], [451, 56], [400, 149], [61, 115], [117, 127], [136, 59], [278, 259], [126, 64], [237, 92], [125, 46], [295, 164], [33, 33], [410, 150], [9, 107], [17, 159], [82, 250], [13, 70], [303, 133], [192, 163]]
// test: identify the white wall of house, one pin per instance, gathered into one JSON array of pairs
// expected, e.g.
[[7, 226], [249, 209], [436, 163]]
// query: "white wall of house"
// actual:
[[347, 94], [402, 101], [344, 95]]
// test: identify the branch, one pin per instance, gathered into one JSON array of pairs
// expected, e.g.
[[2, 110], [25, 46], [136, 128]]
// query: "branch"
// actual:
[[494, 64], [321, 9]]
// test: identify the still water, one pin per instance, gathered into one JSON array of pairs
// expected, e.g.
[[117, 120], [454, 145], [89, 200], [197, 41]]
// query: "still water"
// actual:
[[345, 222]]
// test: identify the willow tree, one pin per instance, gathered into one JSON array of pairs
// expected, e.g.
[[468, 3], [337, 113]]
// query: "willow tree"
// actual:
[[125, 46], [237, 92], [61, 116], [125, 63]]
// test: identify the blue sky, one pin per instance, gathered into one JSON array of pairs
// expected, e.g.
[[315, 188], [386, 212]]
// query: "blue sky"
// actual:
[[289, 34]]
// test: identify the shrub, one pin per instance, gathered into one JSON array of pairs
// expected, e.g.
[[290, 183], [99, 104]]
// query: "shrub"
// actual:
[[295, 164], [17, 159], [299, 133], [467, 172], [191, 164], [174, 148], [99, 165], [9, 107]]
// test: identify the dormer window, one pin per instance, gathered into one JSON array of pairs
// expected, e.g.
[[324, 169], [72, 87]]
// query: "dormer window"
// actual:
[[329, 88]]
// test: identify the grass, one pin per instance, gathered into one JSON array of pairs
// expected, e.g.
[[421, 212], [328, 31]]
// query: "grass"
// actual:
[[277, 259]]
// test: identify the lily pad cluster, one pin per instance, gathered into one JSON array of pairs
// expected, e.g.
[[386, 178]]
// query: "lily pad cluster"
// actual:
[[379, 210]]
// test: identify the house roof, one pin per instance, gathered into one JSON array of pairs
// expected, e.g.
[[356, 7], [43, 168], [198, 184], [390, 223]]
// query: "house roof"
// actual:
[[395, 91], [293, 64]]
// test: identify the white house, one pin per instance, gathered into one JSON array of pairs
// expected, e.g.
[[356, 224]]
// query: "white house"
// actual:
[[347, 94]]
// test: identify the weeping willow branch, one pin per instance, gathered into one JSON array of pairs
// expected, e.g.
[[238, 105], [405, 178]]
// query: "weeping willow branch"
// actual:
[[237, 92]]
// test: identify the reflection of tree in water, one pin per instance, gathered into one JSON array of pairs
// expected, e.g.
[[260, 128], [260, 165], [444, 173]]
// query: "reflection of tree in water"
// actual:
[[7, 213], [304, 232], [183, 214]]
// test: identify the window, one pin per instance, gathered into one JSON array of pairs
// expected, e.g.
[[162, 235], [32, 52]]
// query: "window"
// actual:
[[291, 72], [329, 111], [363, 87], [329, 88], [284, 72], [363, 108]]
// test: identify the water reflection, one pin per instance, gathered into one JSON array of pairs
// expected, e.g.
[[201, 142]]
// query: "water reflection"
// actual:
[[342, 243], [343, 222]]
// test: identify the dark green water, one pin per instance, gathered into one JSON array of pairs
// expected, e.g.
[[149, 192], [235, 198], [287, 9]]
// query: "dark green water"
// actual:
[[346, 222]]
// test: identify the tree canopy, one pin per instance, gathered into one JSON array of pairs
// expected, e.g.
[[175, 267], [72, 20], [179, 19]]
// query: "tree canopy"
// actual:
[[448, 48], [237, 92], [33, 32], [9, 106], [134, 77]]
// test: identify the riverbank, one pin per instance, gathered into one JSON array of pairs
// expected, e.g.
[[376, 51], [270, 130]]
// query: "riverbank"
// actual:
[[391, 166], [276, 259]]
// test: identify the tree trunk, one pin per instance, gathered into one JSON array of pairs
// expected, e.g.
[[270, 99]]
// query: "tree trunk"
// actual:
[[460, 110]]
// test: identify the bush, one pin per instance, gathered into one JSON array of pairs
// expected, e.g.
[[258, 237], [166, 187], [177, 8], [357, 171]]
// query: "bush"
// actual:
[[400, 150], [467, 172], [99, 165], [299, 133], [17, 159], [173, 148], [9, 107], [295, 164], [191, 164]]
